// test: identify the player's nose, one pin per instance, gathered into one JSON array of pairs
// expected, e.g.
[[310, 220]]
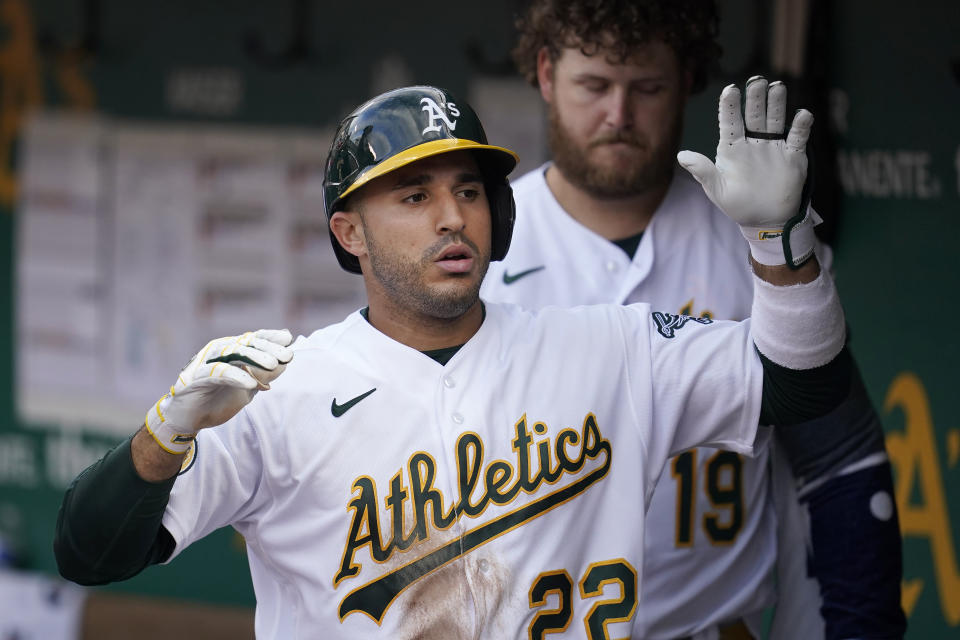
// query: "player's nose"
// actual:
[[617, 108], [450, 217]]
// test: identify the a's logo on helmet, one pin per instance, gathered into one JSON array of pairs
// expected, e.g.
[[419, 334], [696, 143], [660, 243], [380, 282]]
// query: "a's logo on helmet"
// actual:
[[435, 113]]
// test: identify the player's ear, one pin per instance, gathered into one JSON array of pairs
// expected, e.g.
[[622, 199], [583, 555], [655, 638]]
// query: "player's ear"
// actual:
[[348, 231], [545, 74]]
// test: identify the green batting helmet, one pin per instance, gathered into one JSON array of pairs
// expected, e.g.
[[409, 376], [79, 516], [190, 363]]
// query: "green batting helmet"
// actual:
[[406, 125]]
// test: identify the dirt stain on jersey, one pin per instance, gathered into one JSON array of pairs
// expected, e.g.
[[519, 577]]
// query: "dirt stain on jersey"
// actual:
[[457, 602]]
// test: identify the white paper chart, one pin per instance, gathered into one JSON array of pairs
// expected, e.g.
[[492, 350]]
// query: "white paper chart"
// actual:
[[139, 243], [61, 274]]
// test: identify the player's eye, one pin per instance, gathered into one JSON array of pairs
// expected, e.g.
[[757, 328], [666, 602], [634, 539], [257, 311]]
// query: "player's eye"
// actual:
[[648, 90], [414, 198], [469, 193], [595, 86]]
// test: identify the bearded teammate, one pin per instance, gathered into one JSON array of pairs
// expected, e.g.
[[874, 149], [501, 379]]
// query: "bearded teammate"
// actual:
[[610, 220], [437, 467]]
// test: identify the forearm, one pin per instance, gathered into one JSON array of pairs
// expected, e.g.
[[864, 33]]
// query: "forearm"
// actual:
[[109, 525], [797, 321], [151, 462], [784, 276], [798, 328]]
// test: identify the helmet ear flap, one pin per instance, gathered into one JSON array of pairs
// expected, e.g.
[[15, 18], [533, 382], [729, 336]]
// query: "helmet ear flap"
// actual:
[[502, 212]]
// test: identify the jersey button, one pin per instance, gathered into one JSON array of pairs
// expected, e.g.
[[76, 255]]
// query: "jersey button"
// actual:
[[448, 382], [457, 418], [483, 565], [611, 266]]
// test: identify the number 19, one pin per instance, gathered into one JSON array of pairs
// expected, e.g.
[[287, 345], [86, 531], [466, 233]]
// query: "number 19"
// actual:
[[724, 488]]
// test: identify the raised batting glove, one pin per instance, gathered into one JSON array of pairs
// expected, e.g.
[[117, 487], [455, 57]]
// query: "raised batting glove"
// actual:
[[760, 175], [216, 384]]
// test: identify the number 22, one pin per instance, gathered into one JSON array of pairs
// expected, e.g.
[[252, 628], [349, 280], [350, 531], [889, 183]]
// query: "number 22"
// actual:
[[597, 576]]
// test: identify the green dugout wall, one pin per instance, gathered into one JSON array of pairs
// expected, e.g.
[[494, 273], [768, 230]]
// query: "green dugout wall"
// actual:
[[884, 76]]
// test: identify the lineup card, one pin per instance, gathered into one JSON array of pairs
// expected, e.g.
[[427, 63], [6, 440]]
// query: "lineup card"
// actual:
[[61, 303], [139, 243]]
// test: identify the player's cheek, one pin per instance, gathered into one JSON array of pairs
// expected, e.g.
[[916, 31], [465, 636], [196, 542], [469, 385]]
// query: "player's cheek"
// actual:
[[482, 223]]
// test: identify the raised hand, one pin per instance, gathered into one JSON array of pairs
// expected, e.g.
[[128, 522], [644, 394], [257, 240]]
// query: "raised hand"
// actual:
[[759, 175], [219, 381]]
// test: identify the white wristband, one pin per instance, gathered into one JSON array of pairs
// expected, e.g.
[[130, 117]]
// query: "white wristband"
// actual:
[[766, 243], [171, 438], [799, 326]]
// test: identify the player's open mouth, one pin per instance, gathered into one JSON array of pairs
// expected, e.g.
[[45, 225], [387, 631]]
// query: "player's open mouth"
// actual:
[[456, 258]]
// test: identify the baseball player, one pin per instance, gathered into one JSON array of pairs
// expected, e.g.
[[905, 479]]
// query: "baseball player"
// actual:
[[438, 467], [610, 220]]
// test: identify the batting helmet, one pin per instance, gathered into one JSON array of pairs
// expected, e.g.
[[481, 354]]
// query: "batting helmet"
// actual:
[[406, 125]]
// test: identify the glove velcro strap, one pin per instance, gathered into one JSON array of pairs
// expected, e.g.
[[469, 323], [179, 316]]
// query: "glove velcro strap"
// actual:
[[792, 244], [795, 237], [170, 438]]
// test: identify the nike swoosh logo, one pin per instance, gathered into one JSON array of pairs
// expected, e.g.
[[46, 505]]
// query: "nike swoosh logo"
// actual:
[[510, 279], [339, 409]]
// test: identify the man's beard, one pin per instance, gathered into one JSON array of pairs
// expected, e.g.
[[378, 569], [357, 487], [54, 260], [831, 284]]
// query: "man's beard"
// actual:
[[610, 183], [403, 281]]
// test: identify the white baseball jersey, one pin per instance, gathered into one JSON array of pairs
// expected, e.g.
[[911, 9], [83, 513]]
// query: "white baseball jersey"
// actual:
[[502, 495], [711, 530]]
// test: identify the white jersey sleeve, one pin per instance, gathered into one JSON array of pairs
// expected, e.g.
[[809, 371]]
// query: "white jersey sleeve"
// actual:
[[222, 486], [708, 374]]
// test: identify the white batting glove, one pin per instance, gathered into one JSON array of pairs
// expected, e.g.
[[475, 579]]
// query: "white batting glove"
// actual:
[[219, 381], [758, 179]]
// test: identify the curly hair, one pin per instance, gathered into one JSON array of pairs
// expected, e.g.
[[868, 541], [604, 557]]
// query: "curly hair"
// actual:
[[619, 27]]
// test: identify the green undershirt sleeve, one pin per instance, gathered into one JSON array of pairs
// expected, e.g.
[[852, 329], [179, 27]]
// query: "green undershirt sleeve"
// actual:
[[109, 524], [792, 396]]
